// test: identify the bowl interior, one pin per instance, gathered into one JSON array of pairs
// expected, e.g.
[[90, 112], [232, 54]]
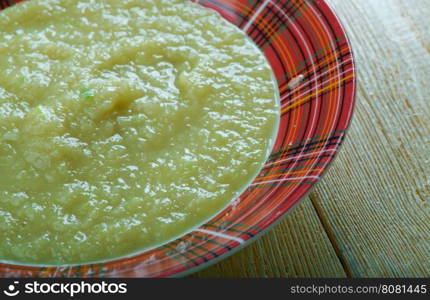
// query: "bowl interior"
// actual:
[[313, 64]]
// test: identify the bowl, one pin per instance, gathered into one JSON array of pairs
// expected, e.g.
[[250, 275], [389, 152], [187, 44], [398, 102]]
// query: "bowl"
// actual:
[[312, 60]]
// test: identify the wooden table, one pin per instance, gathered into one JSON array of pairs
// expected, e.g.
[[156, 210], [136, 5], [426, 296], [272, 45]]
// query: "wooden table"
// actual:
[[370, 215]]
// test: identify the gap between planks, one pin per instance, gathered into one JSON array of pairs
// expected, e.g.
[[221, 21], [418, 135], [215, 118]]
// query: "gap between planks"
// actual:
[[330, 236]]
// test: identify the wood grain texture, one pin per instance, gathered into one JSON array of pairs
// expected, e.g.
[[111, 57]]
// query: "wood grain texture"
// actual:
[[370, 215], [376, 197], [293, 248]]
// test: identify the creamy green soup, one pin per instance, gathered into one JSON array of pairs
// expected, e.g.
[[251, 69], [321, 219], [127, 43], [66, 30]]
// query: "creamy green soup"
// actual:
[[123, 124]]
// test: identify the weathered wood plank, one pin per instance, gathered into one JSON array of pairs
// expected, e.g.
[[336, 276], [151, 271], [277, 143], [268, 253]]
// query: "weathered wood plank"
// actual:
[[376, 196], [297, 247], [374, 203]]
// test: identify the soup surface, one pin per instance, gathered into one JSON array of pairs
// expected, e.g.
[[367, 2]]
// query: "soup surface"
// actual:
[[123, 124]]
